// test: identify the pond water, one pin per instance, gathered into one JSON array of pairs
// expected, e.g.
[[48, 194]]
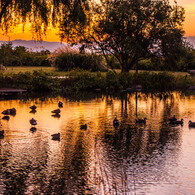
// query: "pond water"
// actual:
[[155, 158]]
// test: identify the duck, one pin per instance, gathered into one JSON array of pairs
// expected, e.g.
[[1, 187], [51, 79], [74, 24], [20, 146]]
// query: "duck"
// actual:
[[177, 122], [141, 120], [83, 126], [115, 122], [173, 118], [60, 104], [33, 121], [11, 111], [6, 118], [6, 112], [57, 111], [56, 136], [191, 124], [1, 133], [33, 107]]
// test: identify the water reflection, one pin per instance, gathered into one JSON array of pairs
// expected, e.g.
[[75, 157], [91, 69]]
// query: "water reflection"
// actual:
[[130, 159]]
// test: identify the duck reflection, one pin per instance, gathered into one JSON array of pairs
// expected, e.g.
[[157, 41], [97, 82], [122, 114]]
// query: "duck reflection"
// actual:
[[33, 111], [56, 115], [33, 129]]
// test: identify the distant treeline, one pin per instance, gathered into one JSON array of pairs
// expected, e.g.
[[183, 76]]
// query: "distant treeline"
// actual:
[[21, 56], [67, 60]]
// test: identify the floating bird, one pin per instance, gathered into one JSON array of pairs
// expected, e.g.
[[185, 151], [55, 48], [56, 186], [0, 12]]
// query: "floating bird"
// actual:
[[141, 121], [191, 124], [11, 111], [56, 136], [33, 121], [115, 122], [173, 118], [57, 111], [83, 126], [177, 122], [6, 118], [6, 112], [33, 107], [60, 104], [1, 133]]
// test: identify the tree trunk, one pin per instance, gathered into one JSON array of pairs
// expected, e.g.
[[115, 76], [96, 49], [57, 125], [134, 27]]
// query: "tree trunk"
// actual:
[[136, 67], [125, 67]]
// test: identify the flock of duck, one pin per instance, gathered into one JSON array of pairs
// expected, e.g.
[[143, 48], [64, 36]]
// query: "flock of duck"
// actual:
[[33, 122], [56, 113], [173, 120]]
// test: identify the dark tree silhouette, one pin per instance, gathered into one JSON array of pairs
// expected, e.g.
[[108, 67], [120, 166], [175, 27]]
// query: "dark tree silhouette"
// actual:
[[42, 13], [135, 29]]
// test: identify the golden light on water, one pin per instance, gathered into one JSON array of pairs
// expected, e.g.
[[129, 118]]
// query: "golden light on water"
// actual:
[[156, 156]]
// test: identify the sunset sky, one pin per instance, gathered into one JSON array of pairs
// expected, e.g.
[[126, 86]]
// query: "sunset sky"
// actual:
[[18, 33]]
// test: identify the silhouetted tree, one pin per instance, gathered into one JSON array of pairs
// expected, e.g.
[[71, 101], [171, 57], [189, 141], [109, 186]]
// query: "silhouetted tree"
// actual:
[[135, 29], [41, 13]]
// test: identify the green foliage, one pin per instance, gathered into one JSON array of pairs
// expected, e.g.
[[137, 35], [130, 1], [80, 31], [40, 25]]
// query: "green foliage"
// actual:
[[20, 56], [112, 82], [36, 81], [40, 14], [80, 80], [153, 81], [69, 61], [132, 30]]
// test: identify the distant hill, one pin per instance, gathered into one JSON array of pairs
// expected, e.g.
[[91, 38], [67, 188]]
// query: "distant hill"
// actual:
[[51, 46], [36, 45]]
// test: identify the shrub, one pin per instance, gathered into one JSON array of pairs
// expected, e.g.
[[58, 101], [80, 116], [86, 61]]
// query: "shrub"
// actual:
[[36, 81], [155, 81], [68, 61]]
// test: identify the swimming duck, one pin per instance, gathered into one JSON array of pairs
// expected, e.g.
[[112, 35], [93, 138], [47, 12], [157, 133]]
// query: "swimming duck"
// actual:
[[33, 121], [173, 118], [57, 111], [177, 122], [191, 124], [60, 104], [115, 122], [141, 120], [83, 126], [11, 111], [6, 112], [1, 133], [6, 118], [56, 136], [33, 107]]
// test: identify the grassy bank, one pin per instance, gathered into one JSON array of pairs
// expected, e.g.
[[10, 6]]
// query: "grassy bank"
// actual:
[[52, 70], [39, 79]]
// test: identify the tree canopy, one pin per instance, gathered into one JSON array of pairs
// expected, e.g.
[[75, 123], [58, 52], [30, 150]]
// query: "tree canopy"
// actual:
[[130, 30], [134, 29], [42, 13]]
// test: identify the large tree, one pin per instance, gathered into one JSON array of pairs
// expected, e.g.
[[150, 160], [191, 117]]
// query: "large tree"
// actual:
[[134, 29]]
